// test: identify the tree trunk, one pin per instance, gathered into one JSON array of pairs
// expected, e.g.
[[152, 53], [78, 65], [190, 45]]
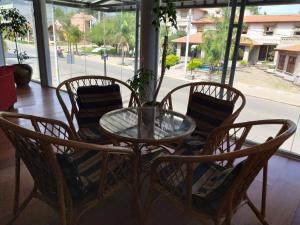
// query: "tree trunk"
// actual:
[[17, 51], [76, 49], [163, 66], [123, 57]]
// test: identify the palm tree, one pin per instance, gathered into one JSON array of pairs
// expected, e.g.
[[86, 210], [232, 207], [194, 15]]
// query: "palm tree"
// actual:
[[124, 37], [213, 41], [71, 34]]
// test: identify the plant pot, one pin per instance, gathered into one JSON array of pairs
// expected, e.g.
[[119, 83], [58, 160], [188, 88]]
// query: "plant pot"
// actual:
[[22, 74], [146, 121], [155, 105]]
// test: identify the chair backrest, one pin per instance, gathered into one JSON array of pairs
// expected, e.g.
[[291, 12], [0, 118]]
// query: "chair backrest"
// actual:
[[37, 141], [230, 144], [215, 90], [71, 85]]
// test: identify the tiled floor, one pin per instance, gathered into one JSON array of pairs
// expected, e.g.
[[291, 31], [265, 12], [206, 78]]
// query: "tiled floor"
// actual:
[[283, 206]]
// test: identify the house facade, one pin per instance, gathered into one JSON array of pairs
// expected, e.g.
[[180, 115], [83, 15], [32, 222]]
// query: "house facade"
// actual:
[[83, 21], [266, 33], [288, 60], [201, 20], [270, 38]]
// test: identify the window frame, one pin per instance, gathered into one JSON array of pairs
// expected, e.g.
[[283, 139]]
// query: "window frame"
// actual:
[[269, 30], [290, 68], [281, 62]]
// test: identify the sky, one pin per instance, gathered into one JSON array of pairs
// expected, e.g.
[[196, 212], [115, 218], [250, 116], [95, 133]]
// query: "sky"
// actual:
[[281, 9]]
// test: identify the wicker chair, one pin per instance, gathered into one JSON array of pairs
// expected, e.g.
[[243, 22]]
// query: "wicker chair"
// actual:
[[209, 104], [42, 145], [179, 178], [94, 134]]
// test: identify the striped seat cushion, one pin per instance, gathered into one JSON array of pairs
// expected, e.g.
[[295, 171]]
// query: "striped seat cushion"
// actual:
[[82, 171], [94, 101], [210, 182], [92, 134], [208, 112]]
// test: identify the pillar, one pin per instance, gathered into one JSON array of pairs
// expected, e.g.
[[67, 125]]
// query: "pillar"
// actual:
[[178, 49], [246, 54], [149, 44], [275, 61], [41, 30]]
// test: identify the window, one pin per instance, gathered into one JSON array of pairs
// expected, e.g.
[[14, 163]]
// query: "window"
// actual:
[[200, 28], [269, 30], [281, 62], [291, 64], [297, 30], [244, 29], [183, 14], [181, 28]]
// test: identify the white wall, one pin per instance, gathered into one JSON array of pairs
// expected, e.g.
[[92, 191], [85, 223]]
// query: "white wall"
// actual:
[[198, 14], [256, 32]]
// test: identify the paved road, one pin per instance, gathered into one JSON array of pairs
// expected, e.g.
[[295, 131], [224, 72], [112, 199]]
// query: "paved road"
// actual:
[[256, 108]]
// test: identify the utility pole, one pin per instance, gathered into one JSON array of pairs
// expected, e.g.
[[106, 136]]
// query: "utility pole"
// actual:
[[187, 40]]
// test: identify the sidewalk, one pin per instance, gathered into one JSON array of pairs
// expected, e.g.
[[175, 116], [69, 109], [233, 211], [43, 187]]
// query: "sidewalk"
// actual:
[[112, 60]]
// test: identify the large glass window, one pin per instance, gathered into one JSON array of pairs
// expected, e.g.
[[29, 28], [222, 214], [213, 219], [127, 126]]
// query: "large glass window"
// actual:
[[26, 45], [195, 53], [88, 42], [271, 93], [264, 73]]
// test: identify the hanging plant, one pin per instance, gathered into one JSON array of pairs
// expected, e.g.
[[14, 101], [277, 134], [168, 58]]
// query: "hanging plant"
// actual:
[[140, 81]]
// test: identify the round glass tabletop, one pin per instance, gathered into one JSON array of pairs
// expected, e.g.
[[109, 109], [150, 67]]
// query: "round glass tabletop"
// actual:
[[146, 125]]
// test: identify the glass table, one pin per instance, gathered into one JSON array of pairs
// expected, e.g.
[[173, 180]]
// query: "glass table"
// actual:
[[146, 125]]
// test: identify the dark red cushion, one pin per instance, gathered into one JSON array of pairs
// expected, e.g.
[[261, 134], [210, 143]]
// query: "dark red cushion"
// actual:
[[8, 94]]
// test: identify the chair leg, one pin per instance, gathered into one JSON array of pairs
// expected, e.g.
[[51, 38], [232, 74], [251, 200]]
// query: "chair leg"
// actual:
[[136, 203], [227, 219], [256, 212], [64, 218], [264, 191], [21, 208], [17, 183]]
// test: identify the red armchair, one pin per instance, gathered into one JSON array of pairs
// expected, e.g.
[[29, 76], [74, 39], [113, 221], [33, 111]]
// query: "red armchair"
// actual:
[[8, 94]]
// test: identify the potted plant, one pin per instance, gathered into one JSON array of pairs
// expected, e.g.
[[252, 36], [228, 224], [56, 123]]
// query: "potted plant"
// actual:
[[13, 26], [167, 15]]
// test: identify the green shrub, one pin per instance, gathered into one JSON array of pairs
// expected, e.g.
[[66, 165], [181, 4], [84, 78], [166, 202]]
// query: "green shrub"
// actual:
[[243, 63], [172, 60], [194, 63], [265, 62], [87, 49], [271, 66], [109, 52]]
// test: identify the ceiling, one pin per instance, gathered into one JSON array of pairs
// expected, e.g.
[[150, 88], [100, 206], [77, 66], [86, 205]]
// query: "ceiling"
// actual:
[[125, 5]]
